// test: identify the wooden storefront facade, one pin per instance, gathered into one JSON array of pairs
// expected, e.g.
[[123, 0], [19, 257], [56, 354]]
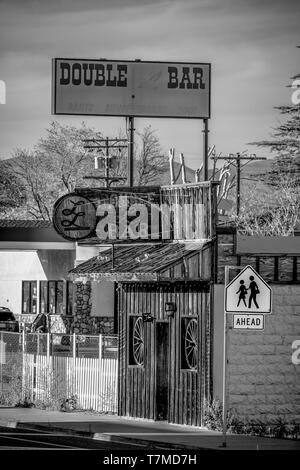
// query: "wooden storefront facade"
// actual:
[[164, 295]]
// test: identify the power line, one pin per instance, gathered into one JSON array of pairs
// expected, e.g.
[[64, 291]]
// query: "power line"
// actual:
[[238, 157], [101, 145]]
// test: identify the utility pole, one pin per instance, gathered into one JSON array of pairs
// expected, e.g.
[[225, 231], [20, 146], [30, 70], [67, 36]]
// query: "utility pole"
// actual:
[[103, 146], [237, 158]]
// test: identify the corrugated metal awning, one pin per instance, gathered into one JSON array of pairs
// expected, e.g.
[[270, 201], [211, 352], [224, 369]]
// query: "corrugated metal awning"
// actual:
[[134, 262]]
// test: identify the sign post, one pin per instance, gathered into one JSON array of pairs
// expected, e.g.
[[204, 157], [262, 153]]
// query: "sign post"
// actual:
[[227, 268], [225, 366], [249, 298], [133, 89]]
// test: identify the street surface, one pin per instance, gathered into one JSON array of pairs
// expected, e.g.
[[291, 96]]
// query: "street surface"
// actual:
[[21, 439]]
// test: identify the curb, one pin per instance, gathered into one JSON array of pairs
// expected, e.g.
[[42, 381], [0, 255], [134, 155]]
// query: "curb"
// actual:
[[114, 438]]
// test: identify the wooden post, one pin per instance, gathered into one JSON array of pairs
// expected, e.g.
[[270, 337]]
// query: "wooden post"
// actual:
[[198, 173], [171, 161], [182, 168]]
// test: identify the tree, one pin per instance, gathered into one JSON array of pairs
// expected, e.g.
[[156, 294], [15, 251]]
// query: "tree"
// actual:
[[285, 144], [272, 211], [12, 192], [63, 149], [55, 166], [59, 162], [151, 164]]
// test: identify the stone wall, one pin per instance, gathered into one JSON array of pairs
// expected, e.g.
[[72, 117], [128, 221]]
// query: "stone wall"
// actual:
[[83, 322], [263, 383]]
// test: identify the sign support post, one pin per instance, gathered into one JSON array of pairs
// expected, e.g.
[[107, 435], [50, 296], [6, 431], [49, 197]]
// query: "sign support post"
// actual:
[[248, 318], [205, 150], [224, 443], [130, 151], [225, 366]]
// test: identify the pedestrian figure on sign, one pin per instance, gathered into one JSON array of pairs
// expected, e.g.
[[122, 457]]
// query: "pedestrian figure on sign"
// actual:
[[253, 287], [243, 292]]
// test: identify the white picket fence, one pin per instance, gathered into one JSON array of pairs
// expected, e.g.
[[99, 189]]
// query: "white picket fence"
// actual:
[[93, 381], [51, 372]]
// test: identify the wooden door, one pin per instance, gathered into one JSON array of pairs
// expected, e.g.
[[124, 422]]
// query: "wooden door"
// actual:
[[162, 372]]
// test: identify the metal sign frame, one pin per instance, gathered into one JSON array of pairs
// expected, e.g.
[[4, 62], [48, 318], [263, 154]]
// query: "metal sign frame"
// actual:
[[269, 310], [131, 91]]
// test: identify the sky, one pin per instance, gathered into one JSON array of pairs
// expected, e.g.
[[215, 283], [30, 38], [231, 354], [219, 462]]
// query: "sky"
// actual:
[[251, 45]]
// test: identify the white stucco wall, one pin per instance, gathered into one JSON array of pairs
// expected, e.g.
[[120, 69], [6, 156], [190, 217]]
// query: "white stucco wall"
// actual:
[[21, 265], [30, 265], [17, 266]]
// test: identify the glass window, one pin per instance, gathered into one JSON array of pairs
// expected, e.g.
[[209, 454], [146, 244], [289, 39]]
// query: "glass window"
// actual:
[[56, 297], [29, 296], [52, 297], [43, 296]]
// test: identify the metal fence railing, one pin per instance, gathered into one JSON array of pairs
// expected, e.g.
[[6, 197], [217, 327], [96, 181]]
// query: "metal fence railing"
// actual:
[[59, 370]]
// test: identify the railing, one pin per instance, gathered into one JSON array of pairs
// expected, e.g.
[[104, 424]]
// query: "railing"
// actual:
[[59, 371]]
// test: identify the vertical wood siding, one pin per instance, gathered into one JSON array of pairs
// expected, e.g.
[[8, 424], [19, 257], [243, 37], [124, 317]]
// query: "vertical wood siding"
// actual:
[[137, 384], [194, 208]]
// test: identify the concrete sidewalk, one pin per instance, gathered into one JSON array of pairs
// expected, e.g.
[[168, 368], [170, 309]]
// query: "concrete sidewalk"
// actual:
[[116, 429]]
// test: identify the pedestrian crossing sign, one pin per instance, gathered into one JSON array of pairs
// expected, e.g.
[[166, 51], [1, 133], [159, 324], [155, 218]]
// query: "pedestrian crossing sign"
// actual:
[[248, 293]]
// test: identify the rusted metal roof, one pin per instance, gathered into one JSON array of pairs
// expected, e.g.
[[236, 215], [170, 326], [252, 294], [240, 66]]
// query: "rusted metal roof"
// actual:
[[38, 223], [135, 262]]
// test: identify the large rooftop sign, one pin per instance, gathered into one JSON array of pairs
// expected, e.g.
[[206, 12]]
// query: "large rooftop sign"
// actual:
[[131, 88], [133, 215]]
